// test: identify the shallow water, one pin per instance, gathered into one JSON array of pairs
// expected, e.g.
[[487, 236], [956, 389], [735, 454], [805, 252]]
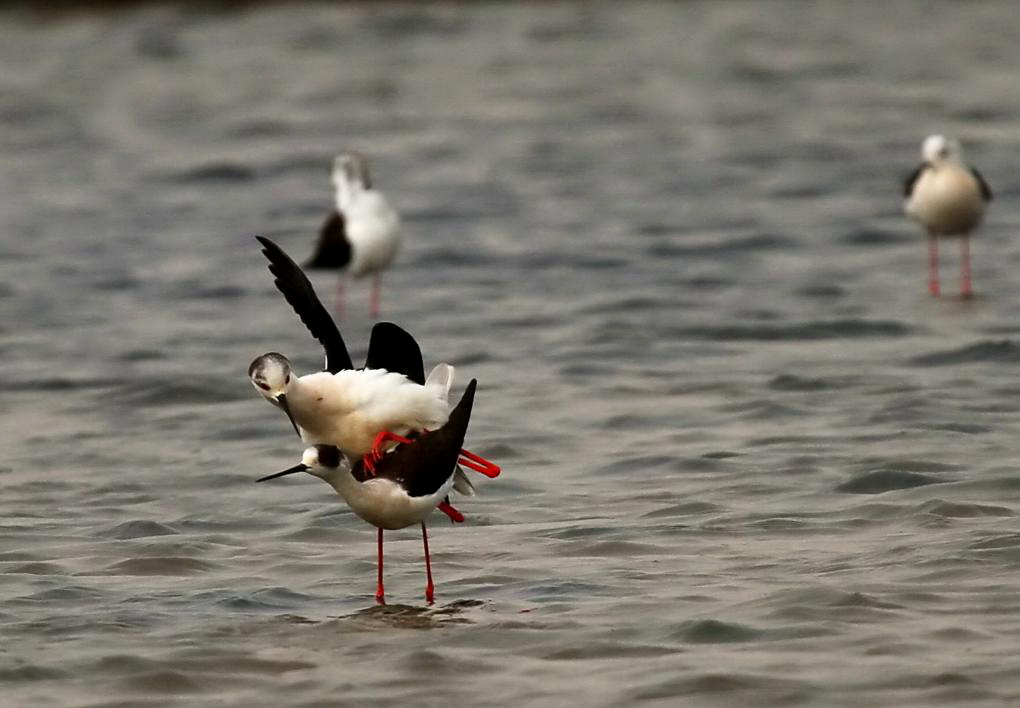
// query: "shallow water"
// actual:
[[746, 458]]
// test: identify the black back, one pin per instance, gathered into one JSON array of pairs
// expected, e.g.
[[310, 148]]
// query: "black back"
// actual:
[[911, 180], [298, 291], [986, 191], [333, 250], [424, 464], [393, 349]]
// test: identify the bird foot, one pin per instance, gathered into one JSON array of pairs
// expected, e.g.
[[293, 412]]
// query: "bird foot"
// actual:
[[478, 464], [371, 458]]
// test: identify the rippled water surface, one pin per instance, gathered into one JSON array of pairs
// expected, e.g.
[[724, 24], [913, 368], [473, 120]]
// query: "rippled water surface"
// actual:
[[747, 461]]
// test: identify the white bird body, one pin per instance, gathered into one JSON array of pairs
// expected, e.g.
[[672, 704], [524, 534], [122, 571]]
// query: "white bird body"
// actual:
[[947, 199], [382, 502], [373, 229], [350, 408]]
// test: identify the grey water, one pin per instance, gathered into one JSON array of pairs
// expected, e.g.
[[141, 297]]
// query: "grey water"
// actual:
[[747, 460]]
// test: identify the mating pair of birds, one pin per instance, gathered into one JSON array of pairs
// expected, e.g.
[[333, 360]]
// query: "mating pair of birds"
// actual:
[[383, 436], [947, 198]]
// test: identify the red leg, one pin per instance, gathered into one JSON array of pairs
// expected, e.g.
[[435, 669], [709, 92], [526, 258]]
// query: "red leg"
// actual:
[[376, 453], [478, 463], [933, 265], [965, 287], [447, 508], [341, 308], [373, 304], [430, 589], [380, 595]]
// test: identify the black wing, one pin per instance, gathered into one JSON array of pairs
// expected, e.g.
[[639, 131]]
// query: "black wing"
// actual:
[[294, 285], [333, 250], [911, 180], [424, 464], [986, 191], [393, 349]]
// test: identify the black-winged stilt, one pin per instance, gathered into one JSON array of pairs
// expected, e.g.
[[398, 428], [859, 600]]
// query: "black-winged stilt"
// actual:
[[947, 198], [360, 411], [399, 487], [361, 236]]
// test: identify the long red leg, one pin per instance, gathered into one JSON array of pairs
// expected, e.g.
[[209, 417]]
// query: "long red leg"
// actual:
[[933, 265], [373, 303], [965, 285], [430, 589], [341, 307], [380, 595]]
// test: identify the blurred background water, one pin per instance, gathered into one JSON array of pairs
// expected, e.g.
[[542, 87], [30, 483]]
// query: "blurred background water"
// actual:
[[746, 458]]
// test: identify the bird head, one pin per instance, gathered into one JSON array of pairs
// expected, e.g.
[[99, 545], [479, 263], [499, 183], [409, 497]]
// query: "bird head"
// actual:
[[351, 168], [271, 375], [938, 148]]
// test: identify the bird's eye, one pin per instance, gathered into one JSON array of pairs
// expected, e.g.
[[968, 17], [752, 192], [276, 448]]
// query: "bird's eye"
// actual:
[[263, 386], [287, 380]]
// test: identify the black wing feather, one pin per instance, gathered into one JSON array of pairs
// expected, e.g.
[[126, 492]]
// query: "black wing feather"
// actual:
[[911, 180], [298, 291], [333, 251], [393, 349], [424, 464], [986, 191]]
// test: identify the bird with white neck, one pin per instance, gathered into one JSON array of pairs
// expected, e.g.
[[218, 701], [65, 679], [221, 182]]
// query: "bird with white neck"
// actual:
[[360, 411], [948, 199], [362, 235], [402, 487]]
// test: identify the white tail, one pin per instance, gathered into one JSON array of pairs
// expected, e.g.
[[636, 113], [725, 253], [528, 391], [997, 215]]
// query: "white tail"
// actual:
[[440, 380], [462, 484]]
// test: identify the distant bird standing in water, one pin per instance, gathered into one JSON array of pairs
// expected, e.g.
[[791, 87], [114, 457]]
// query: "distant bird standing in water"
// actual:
[[947, 198], [361, 236]]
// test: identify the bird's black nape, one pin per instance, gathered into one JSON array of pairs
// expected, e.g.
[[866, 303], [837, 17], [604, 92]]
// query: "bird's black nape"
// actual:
[[394, 349], [333, 251], [299, 293]]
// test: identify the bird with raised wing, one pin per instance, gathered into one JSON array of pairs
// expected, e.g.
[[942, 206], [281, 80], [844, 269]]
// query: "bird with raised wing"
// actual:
[[401, 486], [360, 411]]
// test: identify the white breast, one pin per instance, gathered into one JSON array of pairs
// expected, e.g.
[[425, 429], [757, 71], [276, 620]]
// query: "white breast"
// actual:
[[947, 200], [373, 230], [384, 504]]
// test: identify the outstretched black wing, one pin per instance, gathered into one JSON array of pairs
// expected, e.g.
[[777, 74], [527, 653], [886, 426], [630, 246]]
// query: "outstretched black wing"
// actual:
[[424, 464], [986, 191], [393, 349], [294, 285], [333, 250], [911, 180]]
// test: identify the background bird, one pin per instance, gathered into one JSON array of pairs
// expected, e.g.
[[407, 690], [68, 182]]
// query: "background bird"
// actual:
[[947, 198], [361, 236]]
